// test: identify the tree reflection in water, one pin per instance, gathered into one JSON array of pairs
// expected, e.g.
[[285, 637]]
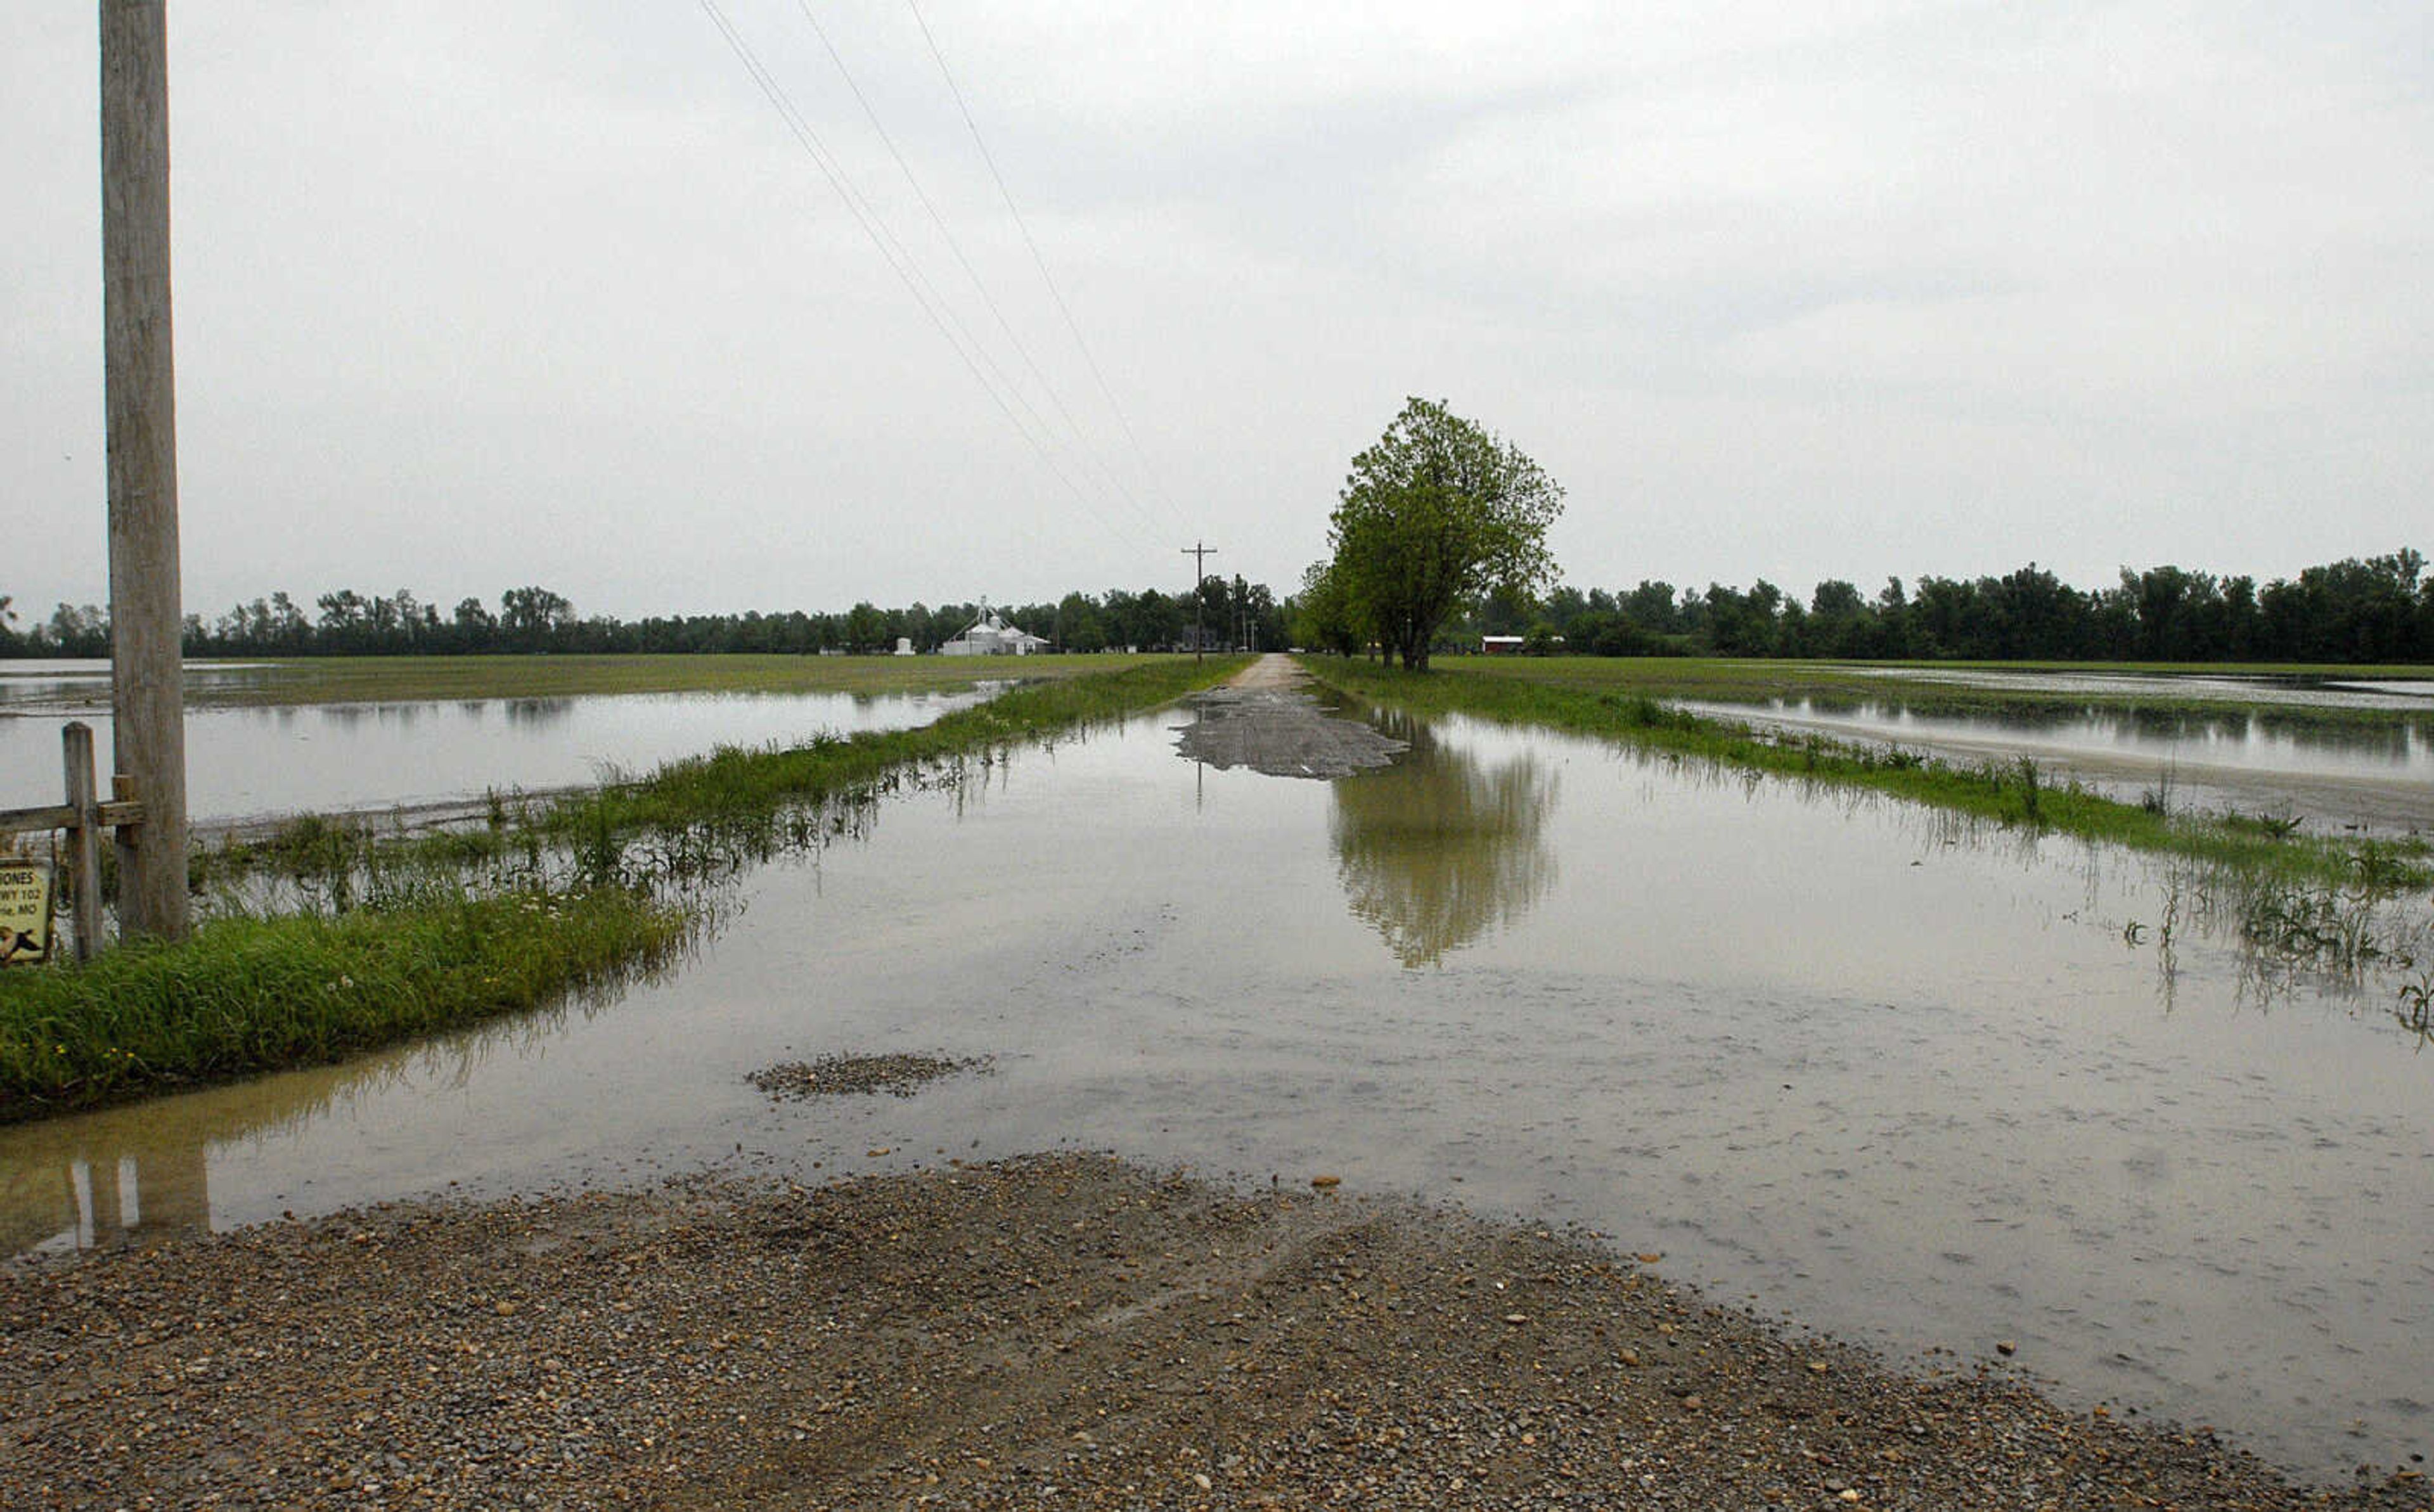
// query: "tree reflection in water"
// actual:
[[1439, 847]]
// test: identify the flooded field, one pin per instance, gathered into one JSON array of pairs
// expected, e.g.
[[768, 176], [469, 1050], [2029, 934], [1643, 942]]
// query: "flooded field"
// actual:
[[2271, 689], [2374, 777], [246, 762], [1853, 1062]]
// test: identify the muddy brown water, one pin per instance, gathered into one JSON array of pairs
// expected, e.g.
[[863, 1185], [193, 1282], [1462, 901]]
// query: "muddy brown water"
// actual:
[[1861, 1066]]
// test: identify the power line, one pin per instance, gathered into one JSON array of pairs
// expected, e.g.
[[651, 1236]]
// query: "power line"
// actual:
[[1148, 468], [891, 246], [1199, 554], [899, 260], [954, 245]]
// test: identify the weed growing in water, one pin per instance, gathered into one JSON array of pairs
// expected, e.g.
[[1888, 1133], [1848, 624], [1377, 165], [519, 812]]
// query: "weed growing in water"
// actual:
[[2379, 867], [2317, 926], [599, 860], [1639, 711], [2158, 800], [2416, 1009], [2417, 1002], [2272, 825], [2332, 925]]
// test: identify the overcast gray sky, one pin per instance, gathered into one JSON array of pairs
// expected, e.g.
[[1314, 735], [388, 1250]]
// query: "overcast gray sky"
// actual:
[[474, 293]]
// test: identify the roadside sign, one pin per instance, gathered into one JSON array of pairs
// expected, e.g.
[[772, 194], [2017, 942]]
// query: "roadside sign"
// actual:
[[24, 912]]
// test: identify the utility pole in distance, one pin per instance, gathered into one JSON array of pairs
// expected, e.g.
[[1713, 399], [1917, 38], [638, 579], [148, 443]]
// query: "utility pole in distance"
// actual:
[[147, 681], [1199, 555]]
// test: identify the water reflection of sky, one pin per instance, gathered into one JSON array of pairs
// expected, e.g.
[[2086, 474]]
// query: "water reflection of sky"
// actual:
[[247, 761], [1896, 1075], [2282, 690], [2380, 776], [77, 686]]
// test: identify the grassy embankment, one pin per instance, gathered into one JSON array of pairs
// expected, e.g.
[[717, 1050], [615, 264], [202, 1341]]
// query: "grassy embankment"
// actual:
[[248, 994], [429, 936], [1567, 694]]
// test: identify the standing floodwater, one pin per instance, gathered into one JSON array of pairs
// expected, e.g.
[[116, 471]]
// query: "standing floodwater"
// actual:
[[2334, 755], [1870, 1069], [245, 761]]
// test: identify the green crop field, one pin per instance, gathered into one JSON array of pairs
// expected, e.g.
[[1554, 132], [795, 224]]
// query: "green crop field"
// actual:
[[400, 679]]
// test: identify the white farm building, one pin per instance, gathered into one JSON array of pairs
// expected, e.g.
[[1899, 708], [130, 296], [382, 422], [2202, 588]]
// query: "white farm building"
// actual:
[[990, 635]]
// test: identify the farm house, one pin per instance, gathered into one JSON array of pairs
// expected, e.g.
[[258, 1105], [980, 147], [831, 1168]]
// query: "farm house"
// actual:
[[990, 635]]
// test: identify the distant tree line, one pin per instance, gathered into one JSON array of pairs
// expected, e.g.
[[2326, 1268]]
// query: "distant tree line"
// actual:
[[537, 619], [2378, 609], [2375, 609]]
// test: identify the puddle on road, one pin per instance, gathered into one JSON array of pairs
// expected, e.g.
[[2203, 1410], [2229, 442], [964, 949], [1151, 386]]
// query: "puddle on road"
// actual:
[[1859, 1063]]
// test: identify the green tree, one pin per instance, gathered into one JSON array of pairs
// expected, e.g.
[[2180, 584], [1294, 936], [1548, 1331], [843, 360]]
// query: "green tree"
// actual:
[[74, 631], [865, 628], [528, 616], [475, 625], [1319, 615], [1078, 626], [1439, 512]]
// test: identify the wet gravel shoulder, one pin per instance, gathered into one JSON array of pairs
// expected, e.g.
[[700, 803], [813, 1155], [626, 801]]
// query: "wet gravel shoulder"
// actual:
[[1051, 1332]]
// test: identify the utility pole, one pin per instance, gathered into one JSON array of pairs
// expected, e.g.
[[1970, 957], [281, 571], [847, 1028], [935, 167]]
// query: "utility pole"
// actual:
[[147, 681], [1199, 555]]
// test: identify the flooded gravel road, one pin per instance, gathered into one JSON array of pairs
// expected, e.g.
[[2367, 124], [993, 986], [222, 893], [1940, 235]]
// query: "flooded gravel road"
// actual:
[[1861, 1065]]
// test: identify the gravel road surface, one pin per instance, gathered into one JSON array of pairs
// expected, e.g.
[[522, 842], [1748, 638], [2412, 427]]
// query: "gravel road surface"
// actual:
[[1056, 1332], [1263, 721]]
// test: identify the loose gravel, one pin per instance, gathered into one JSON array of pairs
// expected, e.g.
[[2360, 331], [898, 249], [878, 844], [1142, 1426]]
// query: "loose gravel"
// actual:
[[839, 1076], [1048, 1332]]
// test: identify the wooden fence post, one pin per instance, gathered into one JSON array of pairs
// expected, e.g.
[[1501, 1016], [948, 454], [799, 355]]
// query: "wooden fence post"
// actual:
[[84, 836]]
